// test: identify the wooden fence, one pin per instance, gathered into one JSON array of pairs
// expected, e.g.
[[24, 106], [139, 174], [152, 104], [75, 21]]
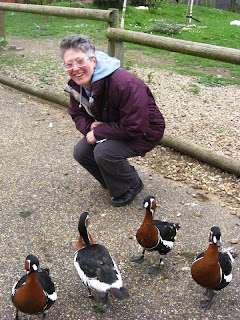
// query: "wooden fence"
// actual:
[[117, 36]]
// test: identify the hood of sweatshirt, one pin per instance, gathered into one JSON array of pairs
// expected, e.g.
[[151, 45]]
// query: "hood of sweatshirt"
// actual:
[[105, 65]]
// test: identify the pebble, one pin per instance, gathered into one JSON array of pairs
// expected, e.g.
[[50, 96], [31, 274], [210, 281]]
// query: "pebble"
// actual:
[[234, 241]]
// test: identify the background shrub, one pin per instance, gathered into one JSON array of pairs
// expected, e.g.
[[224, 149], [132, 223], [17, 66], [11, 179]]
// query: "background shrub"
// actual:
[[109, 3]]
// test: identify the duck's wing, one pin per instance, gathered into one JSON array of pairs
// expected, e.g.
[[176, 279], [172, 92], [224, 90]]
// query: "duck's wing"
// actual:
[[47, 286], [96, 263], [225, 262], [18, 284], [46, 282], [167, 229], [201, 255]]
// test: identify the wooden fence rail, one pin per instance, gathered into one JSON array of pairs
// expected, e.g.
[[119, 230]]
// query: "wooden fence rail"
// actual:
[[198, 49], [77, 13]]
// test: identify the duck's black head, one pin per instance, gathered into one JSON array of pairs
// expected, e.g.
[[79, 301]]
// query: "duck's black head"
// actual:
[[215, 236], [82, 227], [31, 263], [149, 203]]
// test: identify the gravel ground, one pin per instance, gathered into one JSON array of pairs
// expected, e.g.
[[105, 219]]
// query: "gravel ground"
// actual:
[[43, 192]]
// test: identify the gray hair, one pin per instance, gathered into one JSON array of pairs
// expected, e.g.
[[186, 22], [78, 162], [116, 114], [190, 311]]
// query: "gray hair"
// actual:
[[78, 42]]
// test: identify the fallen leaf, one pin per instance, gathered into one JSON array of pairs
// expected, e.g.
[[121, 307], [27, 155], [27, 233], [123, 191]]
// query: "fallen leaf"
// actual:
[[25, 214], [197, 214]]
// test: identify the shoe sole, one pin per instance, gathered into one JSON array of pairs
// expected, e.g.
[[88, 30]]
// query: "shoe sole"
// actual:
[[123, 205]]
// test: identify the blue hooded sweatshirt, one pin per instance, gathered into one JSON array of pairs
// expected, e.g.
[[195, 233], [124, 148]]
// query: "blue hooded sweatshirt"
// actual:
[[105, 66]]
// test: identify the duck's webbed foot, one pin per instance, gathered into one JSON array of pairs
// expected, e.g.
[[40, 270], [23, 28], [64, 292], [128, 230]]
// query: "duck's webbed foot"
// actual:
[[138, 259], [88, 294], [154, 270], [206, 304]]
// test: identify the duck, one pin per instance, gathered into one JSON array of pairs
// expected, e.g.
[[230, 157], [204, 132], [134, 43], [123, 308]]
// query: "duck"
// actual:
[[35, 292], [95, 266], [212, 269], [154, 235]]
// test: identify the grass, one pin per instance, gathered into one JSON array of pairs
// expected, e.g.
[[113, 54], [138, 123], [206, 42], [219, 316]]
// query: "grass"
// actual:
[[211, 81], [214, 28], [3, 44], [194, 89], [99, 308], [37, 26]]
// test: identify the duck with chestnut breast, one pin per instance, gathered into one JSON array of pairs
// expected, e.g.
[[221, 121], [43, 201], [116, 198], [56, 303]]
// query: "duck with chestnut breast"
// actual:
[[212, 269], [34, 293], [95, 266], [155, 235]]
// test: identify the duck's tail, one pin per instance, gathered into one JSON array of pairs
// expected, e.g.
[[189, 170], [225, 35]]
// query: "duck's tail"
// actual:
[[120, 294], [232, 254], [177, 226]]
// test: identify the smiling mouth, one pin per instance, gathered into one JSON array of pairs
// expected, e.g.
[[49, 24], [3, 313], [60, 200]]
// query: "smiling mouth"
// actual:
[[78, 75]]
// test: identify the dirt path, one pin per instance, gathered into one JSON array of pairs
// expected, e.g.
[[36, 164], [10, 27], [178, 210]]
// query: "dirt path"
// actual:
[[39, 177]]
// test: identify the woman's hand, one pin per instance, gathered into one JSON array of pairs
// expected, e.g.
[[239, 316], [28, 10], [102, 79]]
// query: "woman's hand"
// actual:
[[95, 124], [90, 137]]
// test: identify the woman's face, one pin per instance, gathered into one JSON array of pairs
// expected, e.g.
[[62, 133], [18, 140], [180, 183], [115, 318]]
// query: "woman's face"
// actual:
[[81, 75]]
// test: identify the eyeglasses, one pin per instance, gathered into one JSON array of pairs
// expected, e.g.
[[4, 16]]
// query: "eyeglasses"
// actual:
[[79, 63]]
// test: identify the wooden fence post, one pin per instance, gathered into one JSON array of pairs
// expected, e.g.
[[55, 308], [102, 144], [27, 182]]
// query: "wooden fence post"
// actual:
[[119, 52], [2, 24], [115, 48]]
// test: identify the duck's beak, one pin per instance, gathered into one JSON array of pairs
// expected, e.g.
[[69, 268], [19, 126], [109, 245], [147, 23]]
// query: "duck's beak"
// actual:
[[218, 243]]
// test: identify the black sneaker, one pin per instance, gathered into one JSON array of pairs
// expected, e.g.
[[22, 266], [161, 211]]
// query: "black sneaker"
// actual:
[[128, 196]]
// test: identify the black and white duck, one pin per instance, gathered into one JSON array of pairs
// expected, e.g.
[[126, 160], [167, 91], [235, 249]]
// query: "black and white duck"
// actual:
[[155, 235], [95, 266]]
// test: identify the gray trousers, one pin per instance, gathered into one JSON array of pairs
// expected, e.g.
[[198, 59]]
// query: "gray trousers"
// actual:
[[107, 162]]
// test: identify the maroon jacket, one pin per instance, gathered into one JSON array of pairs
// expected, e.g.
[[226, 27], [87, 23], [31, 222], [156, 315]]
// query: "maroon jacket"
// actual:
[[131, 115]]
